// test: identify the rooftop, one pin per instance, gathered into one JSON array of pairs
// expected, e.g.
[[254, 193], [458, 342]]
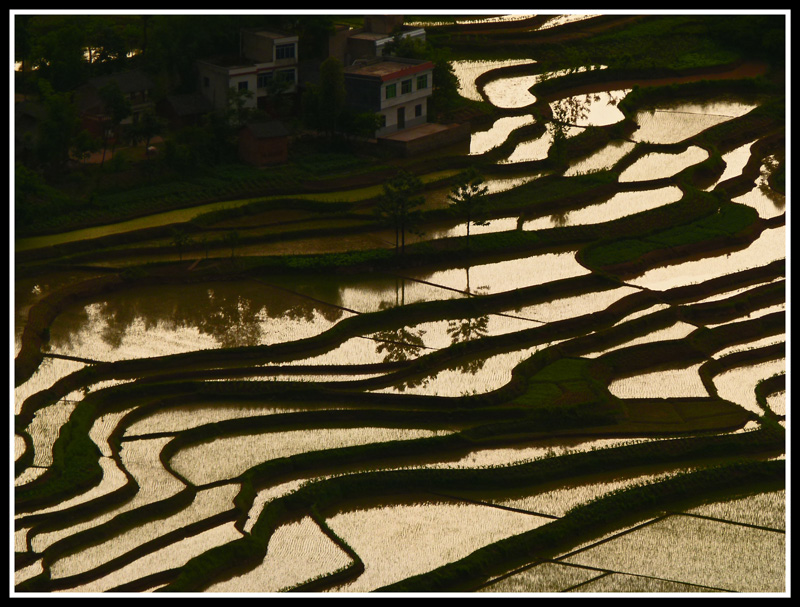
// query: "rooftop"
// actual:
[[267, 130], [272, 34], [387, 69], [229, 61]]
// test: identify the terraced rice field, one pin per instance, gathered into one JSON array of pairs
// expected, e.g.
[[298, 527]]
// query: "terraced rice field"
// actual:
[[530, 424]]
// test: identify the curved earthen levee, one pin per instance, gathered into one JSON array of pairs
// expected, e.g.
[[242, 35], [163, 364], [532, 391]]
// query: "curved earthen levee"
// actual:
[[77, 531]]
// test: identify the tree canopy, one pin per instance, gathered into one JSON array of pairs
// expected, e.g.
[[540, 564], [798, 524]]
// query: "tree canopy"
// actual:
[[468, 198], [399, 207]]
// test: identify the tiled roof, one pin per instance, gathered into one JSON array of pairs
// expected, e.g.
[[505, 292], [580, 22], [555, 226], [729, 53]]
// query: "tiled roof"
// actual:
[[129, 82], [266, 130]]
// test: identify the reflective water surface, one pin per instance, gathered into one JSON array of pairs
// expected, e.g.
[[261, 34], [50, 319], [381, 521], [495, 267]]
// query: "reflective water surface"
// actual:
[[676, 122]]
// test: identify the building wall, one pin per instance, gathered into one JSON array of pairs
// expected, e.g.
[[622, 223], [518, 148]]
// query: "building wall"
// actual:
[[382, 24], [259, 48], [213, 84], [338, 42], [216, 79], [261, 152], [363, 94], [408, 101], [401, 98], [358, 48], [369, 94], [411, 119]]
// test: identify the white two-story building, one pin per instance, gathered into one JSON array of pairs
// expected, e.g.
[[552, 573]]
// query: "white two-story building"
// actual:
[[264, 58], [396, 88]]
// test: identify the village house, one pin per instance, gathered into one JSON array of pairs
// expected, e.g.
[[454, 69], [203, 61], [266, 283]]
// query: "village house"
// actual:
[[265, 59], [352, 44], [135, 85], [396, 88]]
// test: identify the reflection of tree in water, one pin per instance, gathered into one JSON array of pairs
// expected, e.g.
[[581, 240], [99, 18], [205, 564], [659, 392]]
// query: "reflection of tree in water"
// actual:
[[399, 295], [560, 219], [399, 344], [771, 164], [232, 313], [235, 322], [468, 329], [459, 331], [482, 290], [575, 110], [571, 110]]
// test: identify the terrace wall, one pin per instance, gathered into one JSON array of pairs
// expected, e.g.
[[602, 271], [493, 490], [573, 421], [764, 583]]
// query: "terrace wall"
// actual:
[[450, 135]]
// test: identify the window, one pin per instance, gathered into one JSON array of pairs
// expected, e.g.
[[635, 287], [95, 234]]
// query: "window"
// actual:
[[422, 81], [264, 79], [243, 86], [391, 91], [383, 120], [284, 51], [285, 75], [418, 110], [405, 87]]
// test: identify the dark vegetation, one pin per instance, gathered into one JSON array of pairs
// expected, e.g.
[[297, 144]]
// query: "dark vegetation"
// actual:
[[554, 392]]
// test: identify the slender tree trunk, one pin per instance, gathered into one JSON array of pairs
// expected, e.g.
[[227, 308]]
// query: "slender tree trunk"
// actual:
[[105, 145], [116, 138]]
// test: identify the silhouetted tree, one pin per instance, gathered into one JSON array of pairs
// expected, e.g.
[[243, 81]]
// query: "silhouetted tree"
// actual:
[[231, 239], [117, 107], [398, 208], [179, 240], [83, 146], [57, 130], [468, 199]]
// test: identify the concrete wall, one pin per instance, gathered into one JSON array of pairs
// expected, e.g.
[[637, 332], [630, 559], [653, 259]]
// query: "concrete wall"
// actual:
[[258, 48], [453, 134], [405, 98], [220, 79], [411, 120]]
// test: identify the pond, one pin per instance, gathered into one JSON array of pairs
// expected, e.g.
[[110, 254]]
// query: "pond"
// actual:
[[483, 141], [769, 246], [619, 205], [513, 92], [679, 121], [155, 321], [411, 528], [658, 165], [468, 71]]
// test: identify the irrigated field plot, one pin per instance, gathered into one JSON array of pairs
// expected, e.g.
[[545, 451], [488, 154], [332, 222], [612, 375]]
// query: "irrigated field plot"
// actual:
[[583, 392]]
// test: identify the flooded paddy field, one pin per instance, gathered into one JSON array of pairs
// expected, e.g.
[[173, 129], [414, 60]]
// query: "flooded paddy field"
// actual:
[[503, 418]]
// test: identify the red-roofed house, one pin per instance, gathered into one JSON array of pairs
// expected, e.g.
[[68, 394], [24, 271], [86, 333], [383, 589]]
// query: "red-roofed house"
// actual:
[[396, 88]]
